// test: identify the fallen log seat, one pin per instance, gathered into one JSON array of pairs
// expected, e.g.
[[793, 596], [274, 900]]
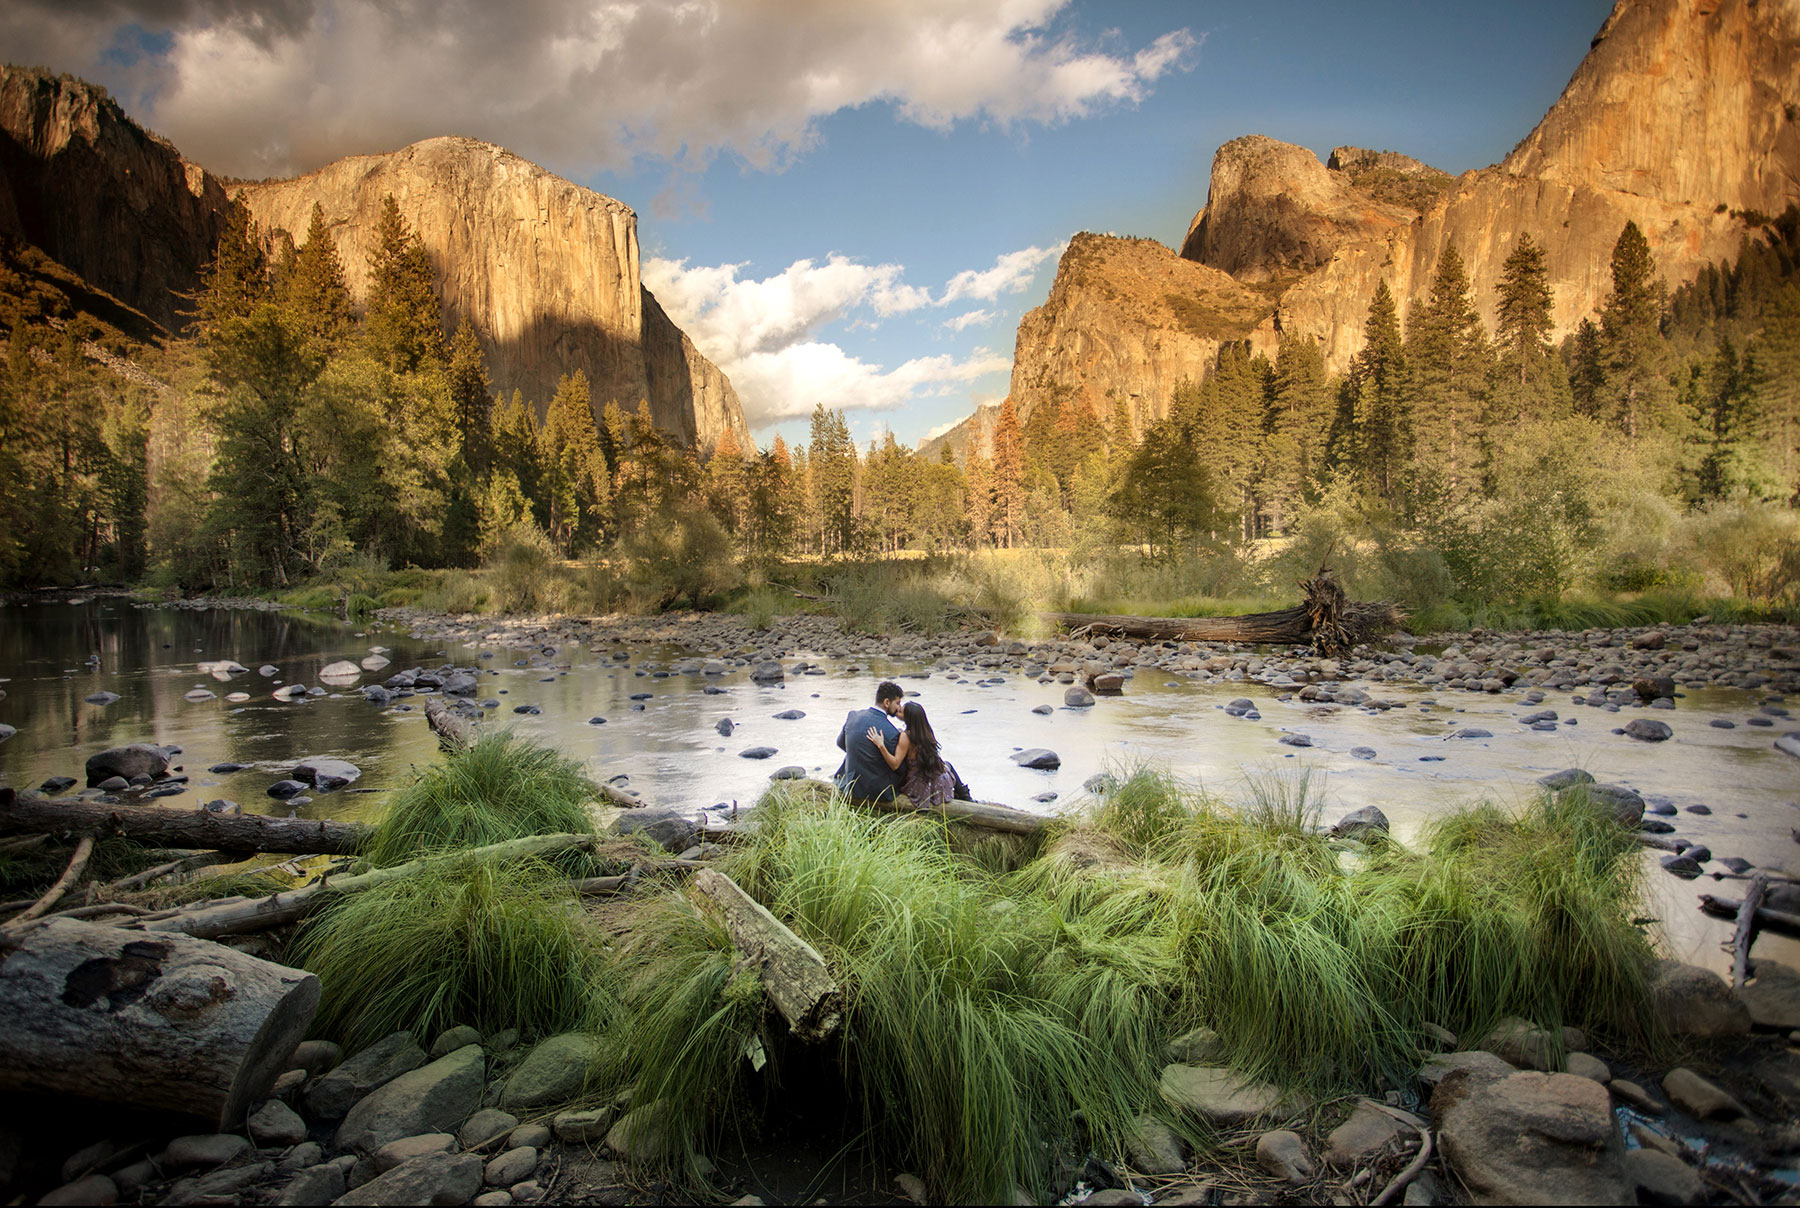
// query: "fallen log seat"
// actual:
[[983, 815], [160, 826], [164, 1022], [1287, 626]]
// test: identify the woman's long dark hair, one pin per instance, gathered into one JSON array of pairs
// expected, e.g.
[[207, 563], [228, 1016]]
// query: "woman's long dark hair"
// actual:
[[924, 740]]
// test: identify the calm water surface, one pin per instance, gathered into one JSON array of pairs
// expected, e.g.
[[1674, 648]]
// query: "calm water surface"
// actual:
[[673, 755]]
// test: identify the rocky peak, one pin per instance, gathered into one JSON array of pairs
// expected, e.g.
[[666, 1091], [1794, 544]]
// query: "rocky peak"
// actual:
[[1273, 209], [101, 196], [1391, 177]]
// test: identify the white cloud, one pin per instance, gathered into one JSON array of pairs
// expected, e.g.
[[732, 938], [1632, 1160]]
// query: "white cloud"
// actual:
[[789, 382], [584, 84], [974, 318], [940, 429], [1011, 273]]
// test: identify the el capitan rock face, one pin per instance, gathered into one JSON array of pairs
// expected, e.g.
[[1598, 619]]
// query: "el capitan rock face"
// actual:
[[116, 205], [1683, 118], [546, 270]]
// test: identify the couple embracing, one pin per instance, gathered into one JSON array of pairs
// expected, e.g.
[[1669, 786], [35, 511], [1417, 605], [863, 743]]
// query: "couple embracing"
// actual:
[[882, 758]]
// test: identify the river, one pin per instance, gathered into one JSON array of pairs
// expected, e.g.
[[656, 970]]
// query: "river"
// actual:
[[53, 656]]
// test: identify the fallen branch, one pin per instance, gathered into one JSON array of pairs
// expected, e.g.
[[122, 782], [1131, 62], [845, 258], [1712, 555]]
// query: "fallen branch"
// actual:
[[1746, 931], [985, 815], [1781, 922], [1413, 1167], [452, 730], [203, 859], [77, 865], [1325, 621], [792, 972], [210, 921], [160, 826]]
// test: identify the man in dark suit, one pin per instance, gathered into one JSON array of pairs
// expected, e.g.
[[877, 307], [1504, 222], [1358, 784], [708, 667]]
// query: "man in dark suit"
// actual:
[[864, 775]]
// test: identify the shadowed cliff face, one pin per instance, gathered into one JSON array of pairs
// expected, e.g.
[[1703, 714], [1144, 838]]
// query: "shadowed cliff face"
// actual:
[[1684, 115], [546, 270], [115, 205]]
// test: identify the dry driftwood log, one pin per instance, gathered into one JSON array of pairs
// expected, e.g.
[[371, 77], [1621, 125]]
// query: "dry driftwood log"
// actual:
[[1781, 922], [985, 815], [1324, 620], [163, 1022], [1746, 931], [792, 972], [452, 731], [235, 917], [53, 895], [161, 826]]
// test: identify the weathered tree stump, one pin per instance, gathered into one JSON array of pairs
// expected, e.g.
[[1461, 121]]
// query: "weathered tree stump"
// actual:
[[154, 1021]]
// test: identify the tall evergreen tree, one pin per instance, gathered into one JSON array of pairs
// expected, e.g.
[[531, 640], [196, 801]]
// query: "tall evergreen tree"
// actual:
[[1299, 422], [471, 399], [1638, 397], [1446, 380], [237, 280], [1587, 369], [1775, 382], [578, 483], [403, 325], [1008, 475], [315, 292], [727, 480], [1381, 437], [1528, 366], [831, 459]]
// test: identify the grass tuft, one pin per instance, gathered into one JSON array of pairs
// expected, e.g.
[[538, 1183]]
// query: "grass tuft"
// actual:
[[500, 787]]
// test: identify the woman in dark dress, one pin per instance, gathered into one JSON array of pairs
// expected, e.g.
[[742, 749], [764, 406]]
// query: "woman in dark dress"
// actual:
[[929, 780]]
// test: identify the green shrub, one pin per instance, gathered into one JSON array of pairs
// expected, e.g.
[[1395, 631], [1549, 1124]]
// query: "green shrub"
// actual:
[[499, 787]]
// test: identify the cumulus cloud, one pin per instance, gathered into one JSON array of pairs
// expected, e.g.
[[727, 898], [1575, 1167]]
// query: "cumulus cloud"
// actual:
[[1011, 273], [974, 318], [764, 332], [787, 383], [284, 85]]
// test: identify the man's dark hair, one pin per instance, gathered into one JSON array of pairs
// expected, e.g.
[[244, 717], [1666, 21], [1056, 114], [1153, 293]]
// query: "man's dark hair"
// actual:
[[888, 690]]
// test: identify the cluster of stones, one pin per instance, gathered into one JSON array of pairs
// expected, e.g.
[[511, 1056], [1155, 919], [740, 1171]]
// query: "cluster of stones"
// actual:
[[143, 772], [471, 1121]]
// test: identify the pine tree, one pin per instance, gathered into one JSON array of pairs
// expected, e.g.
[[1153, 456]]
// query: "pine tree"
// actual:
[[1638, 397], [470, 397], [314, 291], [832, 461], [516, 454], [1587, 369], [1531, 380], [1775, 382], [1164, 498], [728, 481], [1381, 437], [1298, 426], [237, 280], [403, 328], [1008, 475], [578, 484], [1446, 380]]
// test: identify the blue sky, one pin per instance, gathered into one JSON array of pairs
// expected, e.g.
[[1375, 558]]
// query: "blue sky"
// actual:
[[824, 186]]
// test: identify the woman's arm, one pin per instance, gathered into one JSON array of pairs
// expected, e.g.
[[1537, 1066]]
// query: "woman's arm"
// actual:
[[897, 756]]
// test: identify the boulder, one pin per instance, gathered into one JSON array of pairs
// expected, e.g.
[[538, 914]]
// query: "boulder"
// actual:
[[1663, 1178], [7, 731], [1567, 778], [1222, 1097], [313, 1187], [1586, 1065], [757, 753], [434, 1179], [1201, 1046], [1534, 1138], [642, 1134], [1283, 1154], [666, 826], [276, 1124], [1367, 1132], [341, 672], [790, 715], [1773, 996], [1363, 824], [1648, 729], [582, 1128], [1110, 683], [1697, 1002], [399, 1152], [1038, 757], [514, 1166], [138, 759], [203, 1150], [1078, 698], [452, 1039], [1698, 1097], [317, 1056], [485, 1127], [1621, 802], [552, 1073], [1466, 1066], [1522, 1044], [459, 683], [88, 1189], [327, 775], [767, 672], [433, 1098], [1153, 1146], [336, 1092], [1295, 740]]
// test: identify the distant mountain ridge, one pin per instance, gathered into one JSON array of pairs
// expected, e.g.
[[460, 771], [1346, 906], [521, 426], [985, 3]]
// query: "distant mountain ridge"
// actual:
[[546, 270], [1684, 117]]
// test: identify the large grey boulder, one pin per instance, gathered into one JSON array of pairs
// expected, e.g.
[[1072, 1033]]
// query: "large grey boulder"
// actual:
[[327, 775], [1621, 802], [138, 759], [552, 1073], [668, 827], [1363, 824], [1646, 729], [459, 683], [1535, 1138], [1522, 1044], [435, 1179], [434, 1098], [1154, 1147], [1367, 1132], [1078, 698], [643, 1134], [1773, 996], [767, 672], [1040, 758], [1692, 1001], [336, 1093], [1222, 1097]]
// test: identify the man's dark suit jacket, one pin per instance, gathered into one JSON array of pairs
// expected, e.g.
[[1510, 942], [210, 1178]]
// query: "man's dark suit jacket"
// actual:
[[864, 775]]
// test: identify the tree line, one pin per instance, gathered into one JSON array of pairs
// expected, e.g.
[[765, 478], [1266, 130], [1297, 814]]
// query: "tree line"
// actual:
[[293, 430]]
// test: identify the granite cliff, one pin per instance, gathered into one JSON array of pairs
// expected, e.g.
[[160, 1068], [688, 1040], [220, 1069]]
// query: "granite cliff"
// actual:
[[546, 270], [1684, 118]]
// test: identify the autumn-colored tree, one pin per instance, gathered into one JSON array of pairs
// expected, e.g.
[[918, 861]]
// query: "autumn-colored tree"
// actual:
[[1008, 475]]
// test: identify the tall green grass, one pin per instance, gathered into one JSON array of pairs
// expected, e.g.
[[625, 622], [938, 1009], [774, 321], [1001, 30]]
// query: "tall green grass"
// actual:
[[500, 787], [462, 942]]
